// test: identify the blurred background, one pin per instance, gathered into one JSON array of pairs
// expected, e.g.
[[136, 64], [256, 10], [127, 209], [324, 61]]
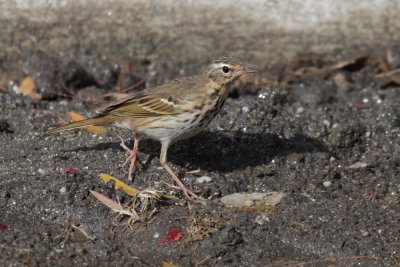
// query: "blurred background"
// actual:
[[178, 37], [318, 124]]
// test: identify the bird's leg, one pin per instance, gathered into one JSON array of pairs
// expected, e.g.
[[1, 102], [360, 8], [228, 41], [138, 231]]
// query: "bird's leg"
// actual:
[[132, 157], [180, 186]]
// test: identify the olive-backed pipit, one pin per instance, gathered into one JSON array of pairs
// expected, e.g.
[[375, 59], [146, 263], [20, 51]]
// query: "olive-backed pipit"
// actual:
[[169, 112]]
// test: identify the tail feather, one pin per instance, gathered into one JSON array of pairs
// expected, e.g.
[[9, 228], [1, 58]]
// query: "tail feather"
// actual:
[[80, 124]]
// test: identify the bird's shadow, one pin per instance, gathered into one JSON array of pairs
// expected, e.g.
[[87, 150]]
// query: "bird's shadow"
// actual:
[[226, 151]]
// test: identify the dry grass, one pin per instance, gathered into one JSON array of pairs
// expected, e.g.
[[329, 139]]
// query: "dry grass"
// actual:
[[139, 208], [200, 227]]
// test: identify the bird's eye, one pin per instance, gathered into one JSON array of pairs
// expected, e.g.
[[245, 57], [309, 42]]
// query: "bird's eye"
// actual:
[[225, 69]]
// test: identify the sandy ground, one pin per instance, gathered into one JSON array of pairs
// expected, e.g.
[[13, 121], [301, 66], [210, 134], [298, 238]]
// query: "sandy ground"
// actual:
[[330, 143]]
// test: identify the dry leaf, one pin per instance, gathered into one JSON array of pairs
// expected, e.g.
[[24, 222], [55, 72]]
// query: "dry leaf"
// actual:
[[386, 78], [91, 129], [322, 72], [106, 201], [28, 88], [168, 264], [131, 191], [117, 207], [355, 63]]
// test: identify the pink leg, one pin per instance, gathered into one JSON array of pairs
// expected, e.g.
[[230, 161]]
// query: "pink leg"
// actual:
[[133, 155], [180, 186]]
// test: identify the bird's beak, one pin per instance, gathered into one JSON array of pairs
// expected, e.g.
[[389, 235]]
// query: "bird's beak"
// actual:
[[245, 70], [249, 70]]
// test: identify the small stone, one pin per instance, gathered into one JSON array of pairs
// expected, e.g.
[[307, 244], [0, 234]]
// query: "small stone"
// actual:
[[358, 165], [364, 233], [327, 184], [300, 110], [261, 219], [245, 199], [203, 179], [245, 109], [63, 190], [327, 123], [156, 235], [249, 203]]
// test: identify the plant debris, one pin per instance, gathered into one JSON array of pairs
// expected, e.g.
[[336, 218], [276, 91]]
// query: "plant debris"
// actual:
[[131, 191], [323, 72], [136, 209], [70, 228], [91, 129], [28, 87], [201, 227], [390, 77], [168, 264]]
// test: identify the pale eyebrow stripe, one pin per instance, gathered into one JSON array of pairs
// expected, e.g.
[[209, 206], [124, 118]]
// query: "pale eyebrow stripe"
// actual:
[[220, 65]]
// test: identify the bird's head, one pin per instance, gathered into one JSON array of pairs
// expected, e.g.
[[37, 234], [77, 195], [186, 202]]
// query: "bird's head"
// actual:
[[226, 70]]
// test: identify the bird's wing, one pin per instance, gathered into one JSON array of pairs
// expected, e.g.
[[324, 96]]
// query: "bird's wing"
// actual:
[[158, 101]]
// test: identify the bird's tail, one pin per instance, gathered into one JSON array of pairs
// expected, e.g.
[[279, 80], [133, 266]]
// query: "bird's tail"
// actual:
[[99, 121]]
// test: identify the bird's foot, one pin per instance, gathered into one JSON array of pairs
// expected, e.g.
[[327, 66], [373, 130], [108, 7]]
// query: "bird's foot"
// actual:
[[132, 157], [189, 194]]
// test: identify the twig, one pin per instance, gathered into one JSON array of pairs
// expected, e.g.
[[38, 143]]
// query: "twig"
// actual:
[[194, 171], [89, 237], [203, 261], [139, 83], [24, 250]]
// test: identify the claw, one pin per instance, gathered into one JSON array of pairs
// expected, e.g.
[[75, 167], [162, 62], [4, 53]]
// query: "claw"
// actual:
[[132, 157]]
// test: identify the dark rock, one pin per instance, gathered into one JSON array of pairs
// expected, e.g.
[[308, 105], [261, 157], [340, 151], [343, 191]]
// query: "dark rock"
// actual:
[[5, 126]]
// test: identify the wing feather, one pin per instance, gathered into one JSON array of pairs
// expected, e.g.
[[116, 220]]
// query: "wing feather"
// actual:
[[156, 101]]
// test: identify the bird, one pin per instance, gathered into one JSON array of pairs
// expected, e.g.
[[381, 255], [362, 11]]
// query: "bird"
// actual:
[[169, 112]]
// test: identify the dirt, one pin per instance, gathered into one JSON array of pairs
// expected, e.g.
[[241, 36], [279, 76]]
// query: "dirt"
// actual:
[[330, 142]]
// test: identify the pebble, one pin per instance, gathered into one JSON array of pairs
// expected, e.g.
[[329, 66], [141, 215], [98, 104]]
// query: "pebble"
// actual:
[[203, 179], [327, 184], [250, 199], [245, 109], [327, 123], [364, 233], [261, 219], [156, 235], [358, 165], [249, 203], [300, 110], [63, 190]]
